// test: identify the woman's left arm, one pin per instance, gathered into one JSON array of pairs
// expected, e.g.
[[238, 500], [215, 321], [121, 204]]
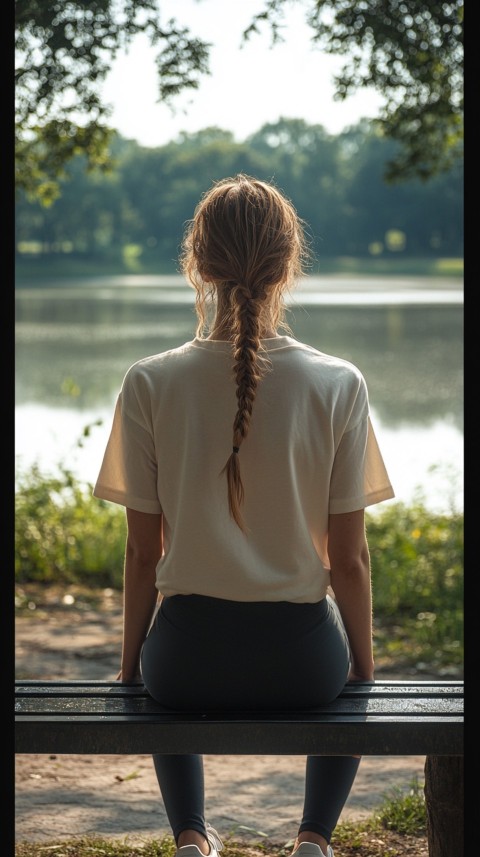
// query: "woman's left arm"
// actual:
[[144, 547]]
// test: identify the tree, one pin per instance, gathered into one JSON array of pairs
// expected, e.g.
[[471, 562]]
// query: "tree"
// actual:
[[63, 52], [410, 52], [304, 159], [444, 804]]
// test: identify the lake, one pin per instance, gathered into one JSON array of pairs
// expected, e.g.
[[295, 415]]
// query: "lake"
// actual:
[[76, 339]]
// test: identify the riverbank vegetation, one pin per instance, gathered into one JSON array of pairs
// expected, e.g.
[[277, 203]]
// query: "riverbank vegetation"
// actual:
[[130, 218], [38, 270]]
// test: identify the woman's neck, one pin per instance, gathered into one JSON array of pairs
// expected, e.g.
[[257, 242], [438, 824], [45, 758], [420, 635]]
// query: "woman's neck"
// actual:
[[222, 333], [222, 330]]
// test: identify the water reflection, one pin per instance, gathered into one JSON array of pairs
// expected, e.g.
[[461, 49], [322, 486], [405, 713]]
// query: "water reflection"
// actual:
[[411, 356]]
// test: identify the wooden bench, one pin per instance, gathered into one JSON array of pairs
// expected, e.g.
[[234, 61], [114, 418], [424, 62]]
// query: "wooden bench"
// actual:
[[388, 718]]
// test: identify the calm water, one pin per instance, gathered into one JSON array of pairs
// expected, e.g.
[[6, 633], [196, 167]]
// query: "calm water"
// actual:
[[75, 341]]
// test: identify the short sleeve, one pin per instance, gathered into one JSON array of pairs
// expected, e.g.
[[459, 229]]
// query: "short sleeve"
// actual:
[[128, 474], [359, 476]]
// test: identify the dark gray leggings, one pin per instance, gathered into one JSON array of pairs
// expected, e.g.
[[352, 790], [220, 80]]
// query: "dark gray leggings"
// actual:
[[204, 654]]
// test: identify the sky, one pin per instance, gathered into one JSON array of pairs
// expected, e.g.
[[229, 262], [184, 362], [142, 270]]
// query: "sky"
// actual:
[[248, 86]]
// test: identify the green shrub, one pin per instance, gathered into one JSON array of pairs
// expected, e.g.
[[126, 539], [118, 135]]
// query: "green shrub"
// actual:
[[64, 535], [417, 581], [405, 813]]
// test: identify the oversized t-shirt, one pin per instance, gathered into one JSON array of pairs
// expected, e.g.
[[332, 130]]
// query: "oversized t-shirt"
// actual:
[[310, 451]]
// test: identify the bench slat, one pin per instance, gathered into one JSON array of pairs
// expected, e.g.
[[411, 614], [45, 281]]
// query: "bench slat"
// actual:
[[384, 718], [377, 736], [141, 705], [82, 689], [390, 686]]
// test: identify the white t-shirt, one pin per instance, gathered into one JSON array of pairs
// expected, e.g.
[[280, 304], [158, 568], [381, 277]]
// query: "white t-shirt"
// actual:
[[310, 451]]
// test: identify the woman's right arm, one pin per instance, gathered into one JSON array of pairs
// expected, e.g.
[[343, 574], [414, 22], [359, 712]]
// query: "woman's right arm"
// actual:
[[350, 580], [144, 548]]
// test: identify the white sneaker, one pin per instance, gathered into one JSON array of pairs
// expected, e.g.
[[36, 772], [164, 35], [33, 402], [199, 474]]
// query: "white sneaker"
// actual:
[[214, 841], [311, 849]]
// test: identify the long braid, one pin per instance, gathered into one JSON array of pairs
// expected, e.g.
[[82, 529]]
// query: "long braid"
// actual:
[[247, 371]]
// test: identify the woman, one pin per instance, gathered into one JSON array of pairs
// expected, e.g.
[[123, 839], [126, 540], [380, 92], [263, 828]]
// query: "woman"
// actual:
[[245, 460]]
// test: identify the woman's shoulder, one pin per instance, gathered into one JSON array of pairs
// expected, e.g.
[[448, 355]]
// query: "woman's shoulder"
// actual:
[[149, 370], [322, 360], [156, 361]]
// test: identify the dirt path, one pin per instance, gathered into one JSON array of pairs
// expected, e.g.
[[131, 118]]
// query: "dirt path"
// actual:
[[60, 797]]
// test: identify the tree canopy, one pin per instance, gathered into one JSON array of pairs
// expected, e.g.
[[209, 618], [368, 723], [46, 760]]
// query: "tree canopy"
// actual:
[[412, 53], [63, 53]]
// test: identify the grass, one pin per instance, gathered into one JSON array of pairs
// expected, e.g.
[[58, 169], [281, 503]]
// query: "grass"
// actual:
[[398, 828]]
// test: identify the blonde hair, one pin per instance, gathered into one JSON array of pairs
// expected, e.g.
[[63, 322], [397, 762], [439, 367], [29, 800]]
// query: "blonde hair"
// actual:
[[242, 251]]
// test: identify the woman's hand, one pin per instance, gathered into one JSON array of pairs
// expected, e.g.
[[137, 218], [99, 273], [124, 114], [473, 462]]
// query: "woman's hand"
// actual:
[[353, 676], [128, 679]]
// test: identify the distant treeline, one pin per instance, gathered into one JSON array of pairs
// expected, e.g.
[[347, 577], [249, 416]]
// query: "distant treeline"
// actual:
[[139, 208]]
